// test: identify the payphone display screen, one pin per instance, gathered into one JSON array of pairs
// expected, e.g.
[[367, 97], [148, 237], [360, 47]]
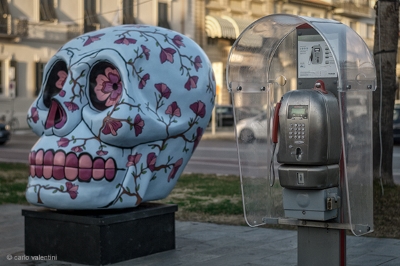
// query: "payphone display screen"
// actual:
[[298, 111]]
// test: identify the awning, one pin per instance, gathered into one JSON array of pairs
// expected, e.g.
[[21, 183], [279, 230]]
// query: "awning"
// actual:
[[225, 27]]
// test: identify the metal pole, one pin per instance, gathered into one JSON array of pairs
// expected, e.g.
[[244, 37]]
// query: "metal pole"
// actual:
[[321, 246]]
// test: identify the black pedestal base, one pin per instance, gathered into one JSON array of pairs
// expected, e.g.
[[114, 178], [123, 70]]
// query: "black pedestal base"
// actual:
[[100, 237]]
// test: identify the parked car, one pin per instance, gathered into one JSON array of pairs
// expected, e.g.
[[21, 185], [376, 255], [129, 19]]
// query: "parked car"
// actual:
[[253, 128], [396, 123], [224, 115], [4, 133]]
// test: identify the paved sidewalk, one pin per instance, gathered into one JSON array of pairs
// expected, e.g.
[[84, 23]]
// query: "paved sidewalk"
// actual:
[[211, 245]]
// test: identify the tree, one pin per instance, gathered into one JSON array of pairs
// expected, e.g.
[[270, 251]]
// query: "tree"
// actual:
[[385, 54]]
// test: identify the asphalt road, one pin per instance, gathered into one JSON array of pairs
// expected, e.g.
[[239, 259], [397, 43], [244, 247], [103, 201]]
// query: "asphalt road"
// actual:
[[212, 156], [18, 147]]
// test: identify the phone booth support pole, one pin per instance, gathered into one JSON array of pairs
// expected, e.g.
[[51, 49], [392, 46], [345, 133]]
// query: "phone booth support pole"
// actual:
[[321, 246]]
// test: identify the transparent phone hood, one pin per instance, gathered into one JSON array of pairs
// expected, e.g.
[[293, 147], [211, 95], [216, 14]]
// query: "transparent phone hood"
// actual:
[[306, 159]]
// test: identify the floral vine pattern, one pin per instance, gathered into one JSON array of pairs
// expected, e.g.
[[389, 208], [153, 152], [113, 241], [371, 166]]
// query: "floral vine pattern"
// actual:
[[120, 110], [69, 188]]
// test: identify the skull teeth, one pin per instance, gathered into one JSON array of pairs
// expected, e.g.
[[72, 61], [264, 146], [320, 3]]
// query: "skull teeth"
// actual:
[[60, 165]]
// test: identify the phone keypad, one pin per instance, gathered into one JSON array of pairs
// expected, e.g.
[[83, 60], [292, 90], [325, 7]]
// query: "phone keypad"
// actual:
[[297, 131]]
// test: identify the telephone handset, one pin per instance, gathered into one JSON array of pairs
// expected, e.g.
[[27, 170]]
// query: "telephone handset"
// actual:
[[275, 124]]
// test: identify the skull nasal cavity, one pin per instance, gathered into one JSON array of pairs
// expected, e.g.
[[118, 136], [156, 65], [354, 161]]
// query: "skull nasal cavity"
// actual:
[[56, 116]]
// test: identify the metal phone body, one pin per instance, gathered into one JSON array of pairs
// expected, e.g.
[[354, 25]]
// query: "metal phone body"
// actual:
[[319, 205], [309, 124], [309, 177], [309, 151]]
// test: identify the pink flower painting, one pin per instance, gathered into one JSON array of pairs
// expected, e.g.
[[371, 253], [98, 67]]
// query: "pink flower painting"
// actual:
[[63, 142], [143, 81], [71, 106], [175, 169], [146, 51], [62, 76], [178, 41], [199, 134], [92, 39], [111, 126], [199, 108], [173, 110], [34, 115], [138, 124], [197, 63], [163, 89], [191, 83], [133, 159], [109, 87], [151, 161], [167, 54], [72, 189], [125, 41]]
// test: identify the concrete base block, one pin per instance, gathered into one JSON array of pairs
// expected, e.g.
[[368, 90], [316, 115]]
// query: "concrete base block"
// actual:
[[100, 237]]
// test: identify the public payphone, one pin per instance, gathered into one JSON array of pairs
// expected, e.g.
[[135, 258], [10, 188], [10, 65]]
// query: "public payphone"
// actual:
[[313, 80], [309, 153]]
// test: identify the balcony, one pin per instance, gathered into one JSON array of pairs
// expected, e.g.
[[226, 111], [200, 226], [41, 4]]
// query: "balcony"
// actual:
[[355, 8], [16, 29], [6, 29], [56, 32]]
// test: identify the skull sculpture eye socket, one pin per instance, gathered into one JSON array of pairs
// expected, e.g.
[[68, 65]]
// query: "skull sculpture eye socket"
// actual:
[[105, 86], [55, 82]]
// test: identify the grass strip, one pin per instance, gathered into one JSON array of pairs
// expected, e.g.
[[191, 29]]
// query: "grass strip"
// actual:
[[213, 198]]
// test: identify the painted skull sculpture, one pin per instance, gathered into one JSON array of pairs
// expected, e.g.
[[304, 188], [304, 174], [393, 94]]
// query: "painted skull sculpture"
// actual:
[[120, 112]]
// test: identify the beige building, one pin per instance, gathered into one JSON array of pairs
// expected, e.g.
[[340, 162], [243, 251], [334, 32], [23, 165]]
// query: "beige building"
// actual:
[[31, 31]]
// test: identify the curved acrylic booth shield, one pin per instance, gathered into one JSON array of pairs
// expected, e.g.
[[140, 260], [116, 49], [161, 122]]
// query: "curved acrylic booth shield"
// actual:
[[281, 53]]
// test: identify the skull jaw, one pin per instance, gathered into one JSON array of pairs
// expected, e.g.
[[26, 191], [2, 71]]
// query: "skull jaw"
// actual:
[[78, 195], [95, 195], [86, 185]]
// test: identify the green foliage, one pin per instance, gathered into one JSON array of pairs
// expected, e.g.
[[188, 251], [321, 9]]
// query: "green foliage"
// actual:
[[207, 195], [13, 180]]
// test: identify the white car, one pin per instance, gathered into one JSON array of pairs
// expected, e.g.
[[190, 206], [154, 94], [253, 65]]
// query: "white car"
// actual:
[[253, 128]]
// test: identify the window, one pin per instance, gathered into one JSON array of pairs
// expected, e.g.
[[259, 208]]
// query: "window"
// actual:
[[370, 31], [127, 11], [353, 25], [13, 72], [1, 77], [212, 41], [4, 14], [91, 21], [39, 69], [47, 10], [163, 15], [8, 78]]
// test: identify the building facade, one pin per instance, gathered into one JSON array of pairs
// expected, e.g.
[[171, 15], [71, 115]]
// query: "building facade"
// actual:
[[32, 31]]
